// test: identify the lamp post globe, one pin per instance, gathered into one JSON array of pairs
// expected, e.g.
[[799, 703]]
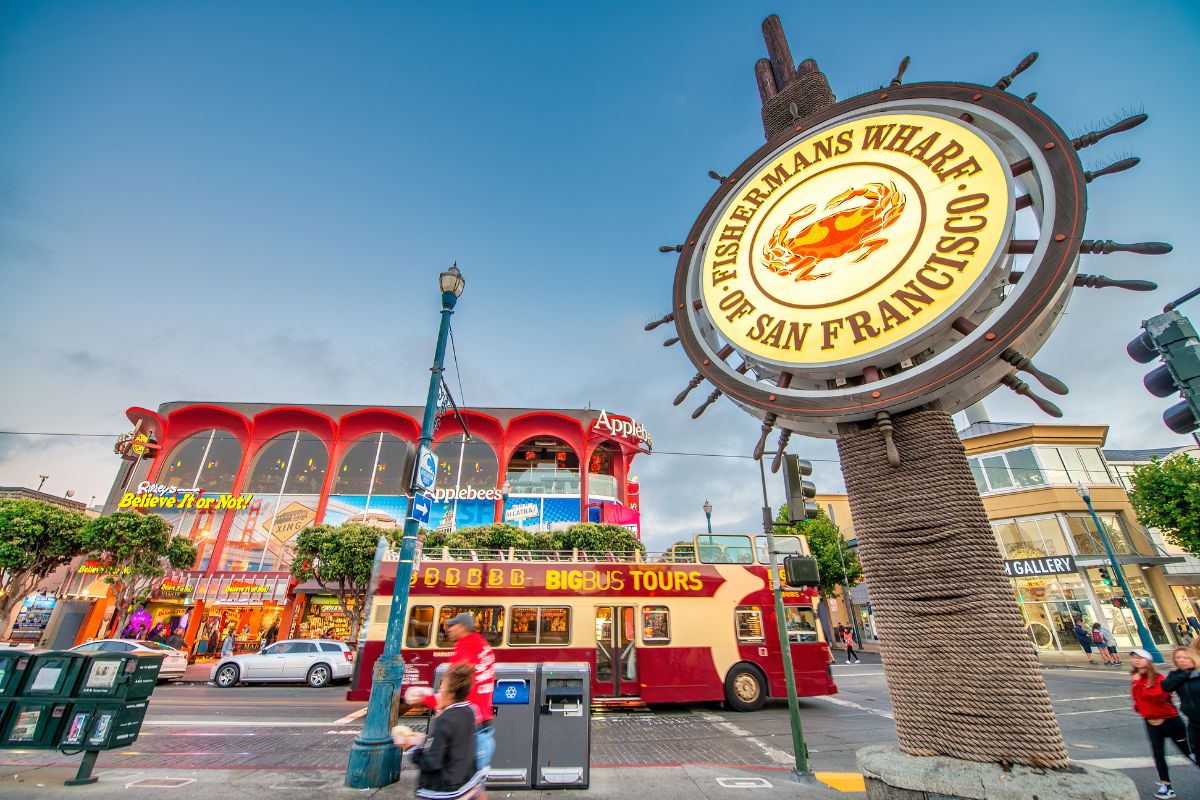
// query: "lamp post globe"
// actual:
[[374, 761]]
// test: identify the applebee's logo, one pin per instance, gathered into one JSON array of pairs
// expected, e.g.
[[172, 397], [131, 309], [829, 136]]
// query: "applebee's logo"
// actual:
[[628, 428]]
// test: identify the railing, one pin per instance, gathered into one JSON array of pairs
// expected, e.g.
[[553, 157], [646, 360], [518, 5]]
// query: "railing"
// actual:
[[515, 554]]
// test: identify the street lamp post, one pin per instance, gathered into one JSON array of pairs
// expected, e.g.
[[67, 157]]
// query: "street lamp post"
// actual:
[[1143, 632], [708, 518], [374, 760]]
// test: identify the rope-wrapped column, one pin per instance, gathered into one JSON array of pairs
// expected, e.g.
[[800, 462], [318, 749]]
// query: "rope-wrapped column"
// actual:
[[963, 676]]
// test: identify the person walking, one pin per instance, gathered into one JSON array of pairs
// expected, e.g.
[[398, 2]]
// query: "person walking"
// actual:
[[848, 639], [446, 755], [470, 648], [1184, 681], [1153, 704], [1085, 639], [227, 645]]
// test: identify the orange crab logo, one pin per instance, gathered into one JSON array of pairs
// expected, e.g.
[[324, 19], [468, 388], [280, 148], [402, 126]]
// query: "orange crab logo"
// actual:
[[845, 231]]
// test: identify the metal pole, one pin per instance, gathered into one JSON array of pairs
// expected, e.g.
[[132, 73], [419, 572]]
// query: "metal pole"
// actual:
[[374, 760], [789, 676], [708, 517], [1143, 632]]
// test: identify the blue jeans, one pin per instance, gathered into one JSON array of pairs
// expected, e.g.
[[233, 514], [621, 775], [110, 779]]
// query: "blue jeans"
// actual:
[[485, 746]]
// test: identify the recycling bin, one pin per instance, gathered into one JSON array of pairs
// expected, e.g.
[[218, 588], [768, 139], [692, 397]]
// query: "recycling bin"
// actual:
[[563, 742], [514, 705], [53, 674], [34, 723]]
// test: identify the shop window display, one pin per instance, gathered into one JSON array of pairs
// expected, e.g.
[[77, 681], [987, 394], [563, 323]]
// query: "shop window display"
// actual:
[[324, 619], [544, 466]]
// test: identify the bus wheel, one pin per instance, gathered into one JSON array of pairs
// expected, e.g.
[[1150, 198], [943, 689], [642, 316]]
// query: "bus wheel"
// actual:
[[745, 688]]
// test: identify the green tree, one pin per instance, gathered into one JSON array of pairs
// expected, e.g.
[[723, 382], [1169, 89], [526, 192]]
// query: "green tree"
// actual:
[[1166, 495], [136, 550], [831, 551], [599, 538], [36, 538], [588, 537], [682, 551], [340, 558]]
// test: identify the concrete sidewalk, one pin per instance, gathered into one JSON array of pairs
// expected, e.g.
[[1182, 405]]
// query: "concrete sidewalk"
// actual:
[[608, 783]]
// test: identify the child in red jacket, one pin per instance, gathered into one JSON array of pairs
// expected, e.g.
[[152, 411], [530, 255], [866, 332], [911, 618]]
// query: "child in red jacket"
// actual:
[[1155, 706]]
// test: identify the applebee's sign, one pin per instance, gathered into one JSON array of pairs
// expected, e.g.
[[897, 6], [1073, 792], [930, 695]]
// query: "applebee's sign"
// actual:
[[624, 427]]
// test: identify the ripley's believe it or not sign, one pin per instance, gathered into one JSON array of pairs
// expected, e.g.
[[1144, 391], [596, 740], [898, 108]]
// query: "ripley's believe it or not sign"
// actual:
[[862, 261]]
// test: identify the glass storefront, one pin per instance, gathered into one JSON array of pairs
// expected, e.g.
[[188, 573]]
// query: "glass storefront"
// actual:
[[1050, 603], [546, 466]]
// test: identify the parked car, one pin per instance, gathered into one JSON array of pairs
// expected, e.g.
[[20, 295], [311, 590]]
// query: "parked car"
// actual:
[[317, 662], [174, 661]]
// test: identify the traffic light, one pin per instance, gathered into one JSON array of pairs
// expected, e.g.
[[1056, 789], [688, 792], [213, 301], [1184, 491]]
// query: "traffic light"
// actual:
[[801, 571], [799, 491], [1172, 338], [1105, 578]]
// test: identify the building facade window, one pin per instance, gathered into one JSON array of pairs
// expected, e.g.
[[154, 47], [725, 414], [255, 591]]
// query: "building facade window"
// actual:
[[1087, 540], [208, 460], [1033, 467], [544, 465], [374, 465], [466, 464], [602, 472]]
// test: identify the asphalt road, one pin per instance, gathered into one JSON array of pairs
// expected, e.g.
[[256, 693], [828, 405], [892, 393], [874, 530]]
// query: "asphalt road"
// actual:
[[298, 728]]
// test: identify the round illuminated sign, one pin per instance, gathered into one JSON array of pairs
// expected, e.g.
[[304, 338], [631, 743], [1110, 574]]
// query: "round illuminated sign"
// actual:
[[855, 239], [862, 261]]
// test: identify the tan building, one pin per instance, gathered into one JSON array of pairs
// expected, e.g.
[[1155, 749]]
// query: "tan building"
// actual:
[[1027, 475], [1183, 577]]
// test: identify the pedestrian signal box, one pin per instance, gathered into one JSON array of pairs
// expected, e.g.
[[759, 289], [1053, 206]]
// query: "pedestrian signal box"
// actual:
[[799, 571]]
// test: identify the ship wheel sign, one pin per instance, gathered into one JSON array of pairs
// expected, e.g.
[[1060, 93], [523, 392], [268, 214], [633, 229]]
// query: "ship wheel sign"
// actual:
[[863, 261]]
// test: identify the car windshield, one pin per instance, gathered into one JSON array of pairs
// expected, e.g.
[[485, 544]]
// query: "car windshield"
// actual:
[[153, 645]]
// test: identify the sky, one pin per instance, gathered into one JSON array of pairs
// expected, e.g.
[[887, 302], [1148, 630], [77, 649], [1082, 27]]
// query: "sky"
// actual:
[[238, 201]]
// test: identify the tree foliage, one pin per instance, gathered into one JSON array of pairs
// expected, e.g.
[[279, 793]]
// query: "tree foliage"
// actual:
[[1166, 495], [826, 544], [340, 558], [588, 537], [36, 538], [136, 550]]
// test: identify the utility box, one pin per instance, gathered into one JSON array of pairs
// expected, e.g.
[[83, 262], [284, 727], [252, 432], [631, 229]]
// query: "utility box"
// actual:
[[562, 755], [13, 664], [34, 723], [53, 674]]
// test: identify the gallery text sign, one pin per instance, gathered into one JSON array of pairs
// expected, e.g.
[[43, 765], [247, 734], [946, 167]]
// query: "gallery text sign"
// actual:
[[1051, 565]]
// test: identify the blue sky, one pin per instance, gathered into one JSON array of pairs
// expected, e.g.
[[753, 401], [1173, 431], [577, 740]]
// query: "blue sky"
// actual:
[[238, 201]]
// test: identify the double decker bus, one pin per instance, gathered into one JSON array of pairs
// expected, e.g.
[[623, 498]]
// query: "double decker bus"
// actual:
[[694, 625]]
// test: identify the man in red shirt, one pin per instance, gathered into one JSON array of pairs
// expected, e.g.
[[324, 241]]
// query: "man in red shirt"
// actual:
[[471, 648]]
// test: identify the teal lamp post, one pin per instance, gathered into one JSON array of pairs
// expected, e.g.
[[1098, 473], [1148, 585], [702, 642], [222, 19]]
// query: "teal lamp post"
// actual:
[[1143, 632], [374, 760]]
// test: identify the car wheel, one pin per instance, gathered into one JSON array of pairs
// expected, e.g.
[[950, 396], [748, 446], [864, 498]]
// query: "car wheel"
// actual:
[[745, 688], [319, 676], [227, 676]]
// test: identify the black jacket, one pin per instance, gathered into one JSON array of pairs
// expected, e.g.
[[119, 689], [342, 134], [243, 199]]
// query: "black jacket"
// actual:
[[447, 759], [1186, 684]]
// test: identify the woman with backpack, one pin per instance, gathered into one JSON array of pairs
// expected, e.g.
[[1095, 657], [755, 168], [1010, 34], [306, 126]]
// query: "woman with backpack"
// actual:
[[1153, 704]]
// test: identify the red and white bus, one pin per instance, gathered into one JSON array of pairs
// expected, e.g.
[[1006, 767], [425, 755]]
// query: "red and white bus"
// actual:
[[655, 630]]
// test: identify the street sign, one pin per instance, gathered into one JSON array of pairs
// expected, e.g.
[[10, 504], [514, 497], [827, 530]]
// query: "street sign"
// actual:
[[421, 507], [426, 470]]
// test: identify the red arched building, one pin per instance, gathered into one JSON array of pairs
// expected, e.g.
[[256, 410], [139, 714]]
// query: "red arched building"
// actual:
[[332, 463]]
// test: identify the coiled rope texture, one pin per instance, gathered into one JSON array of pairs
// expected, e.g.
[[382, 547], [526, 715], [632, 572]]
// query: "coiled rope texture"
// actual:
[[962, 674]]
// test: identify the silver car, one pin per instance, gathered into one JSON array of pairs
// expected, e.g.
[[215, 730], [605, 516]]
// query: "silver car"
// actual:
[[316, 662], [174, 661]]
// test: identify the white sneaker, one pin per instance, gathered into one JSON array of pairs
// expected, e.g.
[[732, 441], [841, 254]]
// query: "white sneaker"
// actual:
[[1165, 792]]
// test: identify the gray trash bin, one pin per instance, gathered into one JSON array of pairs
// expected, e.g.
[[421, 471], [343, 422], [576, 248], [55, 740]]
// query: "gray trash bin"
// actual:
[[564, 727], [514, 703]]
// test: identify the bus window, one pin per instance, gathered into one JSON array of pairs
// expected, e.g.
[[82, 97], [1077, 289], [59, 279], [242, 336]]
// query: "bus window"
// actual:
[[532, 625], [420, 625], [724, 549], [784, 545], [489, 623], [656, 624], [801, 624], [749, 624]]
